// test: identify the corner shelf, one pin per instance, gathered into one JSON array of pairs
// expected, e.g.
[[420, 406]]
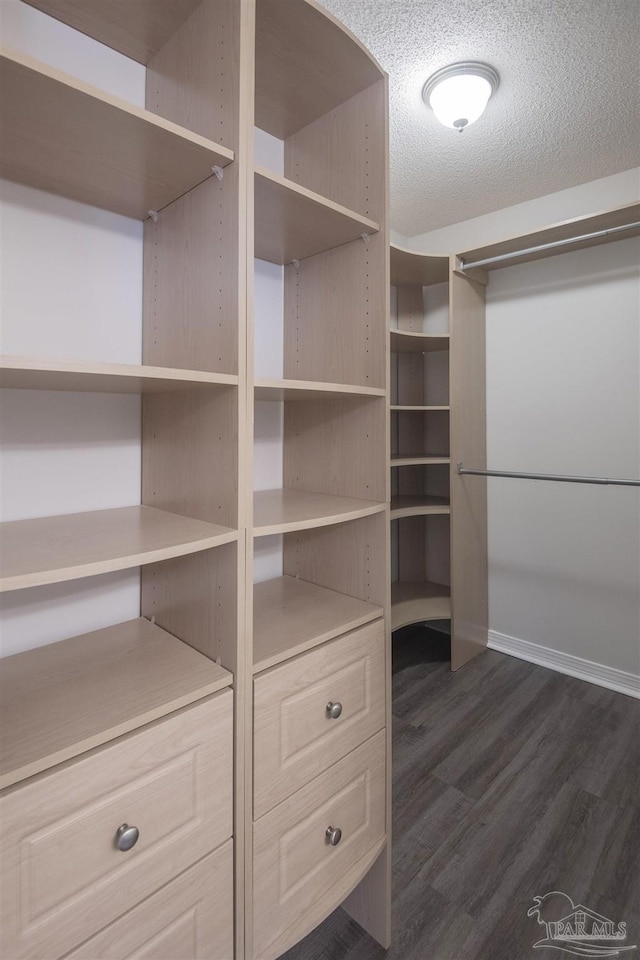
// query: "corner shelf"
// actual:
[[291, 616], [67, 137], [405, 341], [395, 408], [293, 223], [281, 390], [417, 461], [32, 373], [281, 511], [71, 546], [416, 506], [62, 699], [415, 602], [415, 269]]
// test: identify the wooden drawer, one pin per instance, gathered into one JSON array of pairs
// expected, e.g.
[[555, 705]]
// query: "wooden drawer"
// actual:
[[298, 877], [191, 918], [63, 878], [295, 738]]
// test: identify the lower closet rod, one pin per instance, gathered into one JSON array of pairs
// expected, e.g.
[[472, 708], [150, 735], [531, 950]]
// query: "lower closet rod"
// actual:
[[546, 476]]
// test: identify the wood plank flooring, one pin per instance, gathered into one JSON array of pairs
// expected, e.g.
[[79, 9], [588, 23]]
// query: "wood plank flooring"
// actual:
[[510, 781]]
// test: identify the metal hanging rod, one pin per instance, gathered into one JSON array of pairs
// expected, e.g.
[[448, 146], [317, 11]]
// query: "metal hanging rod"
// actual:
[[546, 476], [599, 234]]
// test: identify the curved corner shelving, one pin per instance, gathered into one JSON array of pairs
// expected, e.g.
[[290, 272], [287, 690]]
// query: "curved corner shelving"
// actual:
[[418, 603]]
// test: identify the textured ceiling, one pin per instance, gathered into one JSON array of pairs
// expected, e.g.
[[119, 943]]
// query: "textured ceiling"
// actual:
[[567, 110]]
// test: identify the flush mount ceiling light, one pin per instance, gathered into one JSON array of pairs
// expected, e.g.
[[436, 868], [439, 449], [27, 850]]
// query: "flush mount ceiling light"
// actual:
[[458, 94]]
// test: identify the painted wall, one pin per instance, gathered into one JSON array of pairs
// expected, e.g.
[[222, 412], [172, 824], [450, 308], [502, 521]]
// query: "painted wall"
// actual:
[[563, 374]]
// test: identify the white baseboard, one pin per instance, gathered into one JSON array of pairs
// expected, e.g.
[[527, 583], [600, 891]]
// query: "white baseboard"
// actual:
[[598, 673]]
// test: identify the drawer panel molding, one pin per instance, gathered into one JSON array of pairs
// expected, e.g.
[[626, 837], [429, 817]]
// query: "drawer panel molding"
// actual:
[[315, 709], [64, 877], [299, 874]]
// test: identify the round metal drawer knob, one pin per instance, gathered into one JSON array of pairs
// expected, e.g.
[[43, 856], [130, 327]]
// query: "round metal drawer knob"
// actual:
[[334, 709], [333, 835], [126, 837]]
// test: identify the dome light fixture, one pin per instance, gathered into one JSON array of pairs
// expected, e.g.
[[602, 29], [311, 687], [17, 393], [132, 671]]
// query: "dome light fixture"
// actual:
[[459, 93]]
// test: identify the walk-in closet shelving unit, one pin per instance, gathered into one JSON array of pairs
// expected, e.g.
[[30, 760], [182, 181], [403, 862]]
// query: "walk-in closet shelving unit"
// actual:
[[469, 279], [318, 811], [419, 462], [427, 399], [135, 720], [311, 826]]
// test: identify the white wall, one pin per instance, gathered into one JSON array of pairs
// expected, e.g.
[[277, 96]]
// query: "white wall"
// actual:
[[71, 289], [563, 373]]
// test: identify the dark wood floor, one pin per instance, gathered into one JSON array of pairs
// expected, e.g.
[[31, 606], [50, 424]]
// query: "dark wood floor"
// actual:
[[510, 781]]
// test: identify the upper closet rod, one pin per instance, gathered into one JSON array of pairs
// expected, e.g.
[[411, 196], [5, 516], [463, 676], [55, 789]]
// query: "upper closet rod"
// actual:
[[547, 476], [599, 234]]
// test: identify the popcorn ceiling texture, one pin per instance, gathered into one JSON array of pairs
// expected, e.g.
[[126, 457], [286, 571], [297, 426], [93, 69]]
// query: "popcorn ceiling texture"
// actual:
[[567, 110]]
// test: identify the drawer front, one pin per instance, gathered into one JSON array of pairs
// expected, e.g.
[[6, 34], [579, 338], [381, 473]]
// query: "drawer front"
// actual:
[[189, 919], [295, 736], [63, 878], [299, 877]]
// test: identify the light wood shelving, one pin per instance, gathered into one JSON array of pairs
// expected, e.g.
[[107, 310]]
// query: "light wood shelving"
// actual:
[[203, 625], [30, 373], [137, 30], [61, 700], [409, 341], [281, 390], [398, 461], [415, 602], [66, 547], [280, 511], [559, 232], [293, 223], [415, 506], [292, 616], [64, 136], [417, 408], [420, 440]]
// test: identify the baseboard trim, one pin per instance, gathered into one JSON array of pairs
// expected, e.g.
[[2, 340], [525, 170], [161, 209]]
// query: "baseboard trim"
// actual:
[[598, 673]]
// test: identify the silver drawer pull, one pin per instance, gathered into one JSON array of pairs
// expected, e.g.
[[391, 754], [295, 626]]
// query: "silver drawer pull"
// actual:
[[333, 835], [334, 709], [126, 837]]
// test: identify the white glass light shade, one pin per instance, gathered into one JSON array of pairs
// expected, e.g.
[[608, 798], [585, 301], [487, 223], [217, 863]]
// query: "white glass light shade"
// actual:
[[459, 94]]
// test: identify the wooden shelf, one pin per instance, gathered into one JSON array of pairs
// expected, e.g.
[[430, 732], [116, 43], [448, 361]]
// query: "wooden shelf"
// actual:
[[395, 408], [281, 390], [64, 136], [138, 30], [65, 698], [417, 461], [293, 223], [405, 341], [414, 506], [67, 547], [560, 231], [279, 511], [417, 269], [29, 373], [291, 616], [416, 602], [306, 65]]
